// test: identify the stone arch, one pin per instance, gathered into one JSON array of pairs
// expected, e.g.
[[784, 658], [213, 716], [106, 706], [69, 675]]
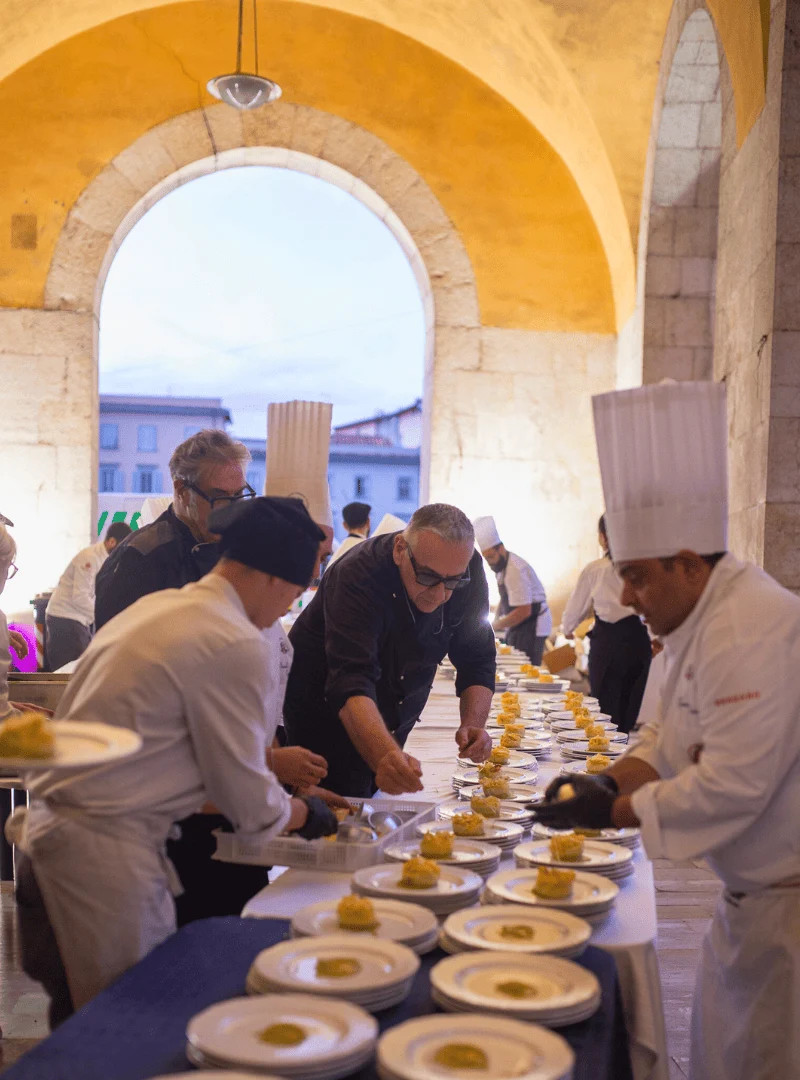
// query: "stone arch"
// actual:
[[680, 263], [289, 136]]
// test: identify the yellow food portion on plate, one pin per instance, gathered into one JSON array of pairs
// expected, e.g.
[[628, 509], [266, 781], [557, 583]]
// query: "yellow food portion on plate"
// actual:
[[566, 848], [487, 805], [461, 1056], [338, 967], [356, 913], [545, 678], [504, 650], [566, 791], [510, 741], [498, 786], [517, 932], [594, 731], [499, 755], [282, 1035], [28, 735], [583, 721], [419, 873], [597, 763], [589, 833], [552, 883], [437, 845], [574, 695], [468, 825], [487, 770], [513, 988], [515, 729], [530, 670], [598, 744]]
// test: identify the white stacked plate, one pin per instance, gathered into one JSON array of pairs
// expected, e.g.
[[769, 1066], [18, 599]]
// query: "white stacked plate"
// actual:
[[611, 860], [473, 855], [455, 889], [629, 838], [556, 933], [560, 992], [385, 970], [575, 735], [504, 835], [513, 772], [407, 924], [560, 717], [591, 896], [517, 793], [513, 1049], [516, 777], [579, 750], [339, 1037], [570, 725], [508, 812], [558, 686]]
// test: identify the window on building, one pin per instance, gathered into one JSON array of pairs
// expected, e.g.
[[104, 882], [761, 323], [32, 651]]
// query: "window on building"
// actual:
[[191, 429], [404, 488], [148, 439], [360, 487], [147, 479], [109, 436], [111, 478]]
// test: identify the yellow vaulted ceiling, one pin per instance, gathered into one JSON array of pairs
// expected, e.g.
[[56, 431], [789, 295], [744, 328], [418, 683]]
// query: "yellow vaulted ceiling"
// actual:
[[530, 119]]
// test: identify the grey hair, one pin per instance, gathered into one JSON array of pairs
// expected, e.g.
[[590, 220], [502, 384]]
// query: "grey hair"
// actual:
[[448, 522], [208, 447], [8, 548]]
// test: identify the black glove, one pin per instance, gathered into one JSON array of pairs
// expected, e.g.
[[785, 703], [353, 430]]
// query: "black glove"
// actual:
[[551, 793], [590, 807], [321, 820]]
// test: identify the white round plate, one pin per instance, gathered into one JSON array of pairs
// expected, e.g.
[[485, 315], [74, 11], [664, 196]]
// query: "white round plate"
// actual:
[[508, 812], [494, 830], [567, 715], [473, 978], [570, 725], [588, 890], [518, 793], [515, 1050], [385, 879], [515, 777], [609, 836], [469, 773], [553, 931], [229, 1031], [576, 735], [397, 921], [596, 855], [79, 744], [292, 964], [574, 767], [581, 749], [465, 852]]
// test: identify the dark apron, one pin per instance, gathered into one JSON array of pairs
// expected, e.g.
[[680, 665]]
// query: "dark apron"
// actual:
[[523, 636], [619, 661]]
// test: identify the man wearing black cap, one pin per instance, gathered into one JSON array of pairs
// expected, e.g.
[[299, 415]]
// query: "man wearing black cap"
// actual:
[[355, 518], [188, 670]]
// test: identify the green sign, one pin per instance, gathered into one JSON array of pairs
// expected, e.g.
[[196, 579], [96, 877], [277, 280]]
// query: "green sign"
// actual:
[[119, 515]]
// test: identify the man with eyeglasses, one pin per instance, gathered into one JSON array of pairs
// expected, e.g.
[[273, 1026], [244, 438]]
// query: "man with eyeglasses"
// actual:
[[367, 647]]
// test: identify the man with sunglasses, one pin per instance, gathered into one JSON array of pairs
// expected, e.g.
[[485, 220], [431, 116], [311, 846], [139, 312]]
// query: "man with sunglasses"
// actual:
[[367, 647]]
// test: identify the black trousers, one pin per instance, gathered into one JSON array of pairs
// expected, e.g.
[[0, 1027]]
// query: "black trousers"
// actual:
[[210, 887], [67, 640], [39, 953], [619, 661]]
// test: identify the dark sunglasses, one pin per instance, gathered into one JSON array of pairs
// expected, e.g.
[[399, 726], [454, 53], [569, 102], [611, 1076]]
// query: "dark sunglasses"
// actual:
[[430, 579], [220, 500]]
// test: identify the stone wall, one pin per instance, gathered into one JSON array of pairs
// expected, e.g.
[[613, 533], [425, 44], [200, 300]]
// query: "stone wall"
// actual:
[[746, 257], [512, 436], [682, 240]]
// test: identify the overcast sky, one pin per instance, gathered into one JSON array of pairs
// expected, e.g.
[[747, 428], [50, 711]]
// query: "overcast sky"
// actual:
[[262, 284]]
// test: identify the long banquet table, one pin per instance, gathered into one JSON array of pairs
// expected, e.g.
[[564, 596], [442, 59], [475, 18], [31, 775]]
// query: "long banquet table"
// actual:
[[628, 932]]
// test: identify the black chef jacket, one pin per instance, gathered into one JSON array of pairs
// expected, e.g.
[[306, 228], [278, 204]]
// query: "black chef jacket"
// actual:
[[362, 637]]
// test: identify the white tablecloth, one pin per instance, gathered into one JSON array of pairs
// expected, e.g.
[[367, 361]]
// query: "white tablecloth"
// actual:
[[628, 932]]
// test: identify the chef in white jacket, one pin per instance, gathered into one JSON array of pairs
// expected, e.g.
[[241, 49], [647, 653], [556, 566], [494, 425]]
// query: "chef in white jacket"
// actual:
[[715, 773], [188, 670]]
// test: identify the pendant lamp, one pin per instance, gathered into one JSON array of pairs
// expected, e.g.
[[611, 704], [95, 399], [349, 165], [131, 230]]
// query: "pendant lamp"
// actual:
[[241, 89]]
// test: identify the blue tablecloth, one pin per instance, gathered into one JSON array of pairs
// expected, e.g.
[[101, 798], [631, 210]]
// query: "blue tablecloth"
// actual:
[[136, 1028]]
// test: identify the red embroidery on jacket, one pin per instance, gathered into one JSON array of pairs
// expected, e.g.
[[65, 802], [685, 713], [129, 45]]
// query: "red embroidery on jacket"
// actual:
[[752, 695]]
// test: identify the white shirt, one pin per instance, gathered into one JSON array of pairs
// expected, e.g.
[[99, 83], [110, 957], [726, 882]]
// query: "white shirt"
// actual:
[[280, 659], [6, 708], [73, 597], [598, 590], [731, 682], [346, 545], [188, 670], [523, 587]]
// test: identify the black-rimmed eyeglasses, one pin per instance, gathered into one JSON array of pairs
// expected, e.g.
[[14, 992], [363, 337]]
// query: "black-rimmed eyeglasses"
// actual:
[[216, 501], [430, 579], [12, 571]]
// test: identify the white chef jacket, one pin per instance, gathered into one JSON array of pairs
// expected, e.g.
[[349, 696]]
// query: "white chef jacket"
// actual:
[[597, 590], [523, 587], [73, 597], [346, 545], [280, 659], [731, 684], [188, 670], [6, 708]]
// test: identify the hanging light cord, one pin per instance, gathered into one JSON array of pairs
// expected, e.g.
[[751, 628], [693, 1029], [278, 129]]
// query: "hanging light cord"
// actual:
[[239, 38]]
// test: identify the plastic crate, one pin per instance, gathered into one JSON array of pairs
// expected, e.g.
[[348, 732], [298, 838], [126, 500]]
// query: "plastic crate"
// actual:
[[325, 854]]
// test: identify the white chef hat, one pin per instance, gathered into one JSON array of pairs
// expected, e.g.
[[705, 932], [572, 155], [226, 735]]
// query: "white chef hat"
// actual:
[[298, 445], [663, 453], [486, 534], [389, 524]]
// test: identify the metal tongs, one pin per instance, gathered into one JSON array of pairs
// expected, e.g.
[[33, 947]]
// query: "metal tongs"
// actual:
[[367, 825]]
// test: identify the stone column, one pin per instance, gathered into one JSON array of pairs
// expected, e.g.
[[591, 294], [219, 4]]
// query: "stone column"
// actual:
[[48, 442]]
